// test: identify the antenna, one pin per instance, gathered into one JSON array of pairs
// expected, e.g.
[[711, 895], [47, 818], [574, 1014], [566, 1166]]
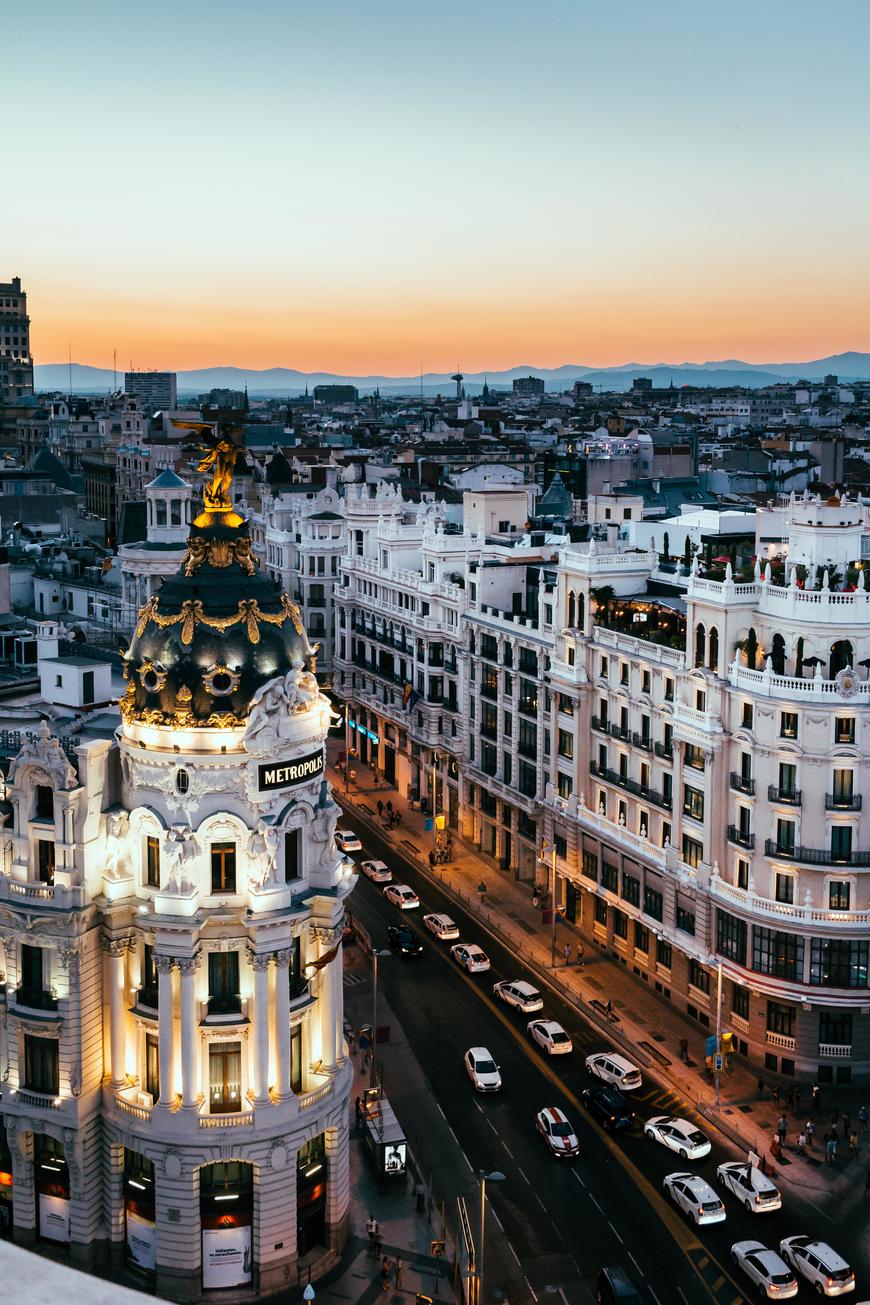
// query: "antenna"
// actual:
[[114, 371], [69, 355]]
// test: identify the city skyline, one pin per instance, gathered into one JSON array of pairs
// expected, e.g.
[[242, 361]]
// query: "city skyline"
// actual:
[[388, 191]]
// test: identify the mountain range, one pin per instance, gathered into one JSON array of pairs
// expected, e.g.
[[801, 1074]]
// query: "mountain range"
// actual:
[[277, 381]]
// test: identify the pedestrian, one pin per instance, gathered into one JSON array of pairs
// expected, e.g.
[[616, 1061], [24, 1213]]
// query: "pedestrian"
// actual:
[[789, 1097], [782, 1128], [835, 1118], [775, 1146], [581, 956], [775, 1092], [431, 859], [608, 1009], [684, 1050], [448, 850], [389, 805], [816, 1095], [536, 901], [380, 807], [802, 1141], [847, 1123], [853, 1141], [862, 1118], [831, 1150], [359, 1112], [835, 1133], [481, 890], [372, 1229], [567, 953], [810, 1132], [399, 1270], [386, 1268], [759, 1088]]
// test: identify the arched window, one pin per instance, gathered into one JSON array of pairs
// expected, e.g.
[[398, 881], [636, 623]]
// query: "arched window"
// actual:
[[572, 608], [777, 655], [666, 548], [581, 611], [751, 649], [799, 658], [713, 650], [700, 645], [841, 656]]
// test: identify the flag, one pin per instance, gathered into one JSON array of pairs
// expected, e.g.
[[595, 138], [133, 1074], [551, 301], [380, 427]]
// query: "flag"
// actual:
[[325, 958]]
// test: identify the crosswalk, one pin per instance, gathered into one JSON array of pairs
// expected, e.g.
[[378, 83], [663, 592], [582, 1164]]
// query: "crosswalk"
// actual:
[[352, 980]]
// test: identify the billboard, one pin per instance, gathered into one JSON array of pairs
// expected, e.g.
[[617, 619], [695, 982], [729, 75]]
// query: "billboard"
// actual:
[[226, 1256]]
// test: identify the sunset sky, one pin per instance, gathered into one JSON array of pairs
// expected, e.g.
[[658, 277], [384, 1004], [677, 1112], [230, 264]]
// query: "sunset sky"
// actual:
[[377, 186]]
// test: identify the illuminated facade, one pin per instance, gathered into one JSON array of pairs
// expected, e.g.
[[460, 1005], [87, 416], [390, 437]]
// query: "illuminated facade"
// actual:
[[177, 1082]]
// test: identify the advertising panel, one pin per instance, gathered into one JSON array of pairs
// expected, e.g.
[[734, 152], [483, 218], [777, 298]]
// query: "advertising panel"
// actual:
[[226, 1256], [141, 1241], [54, 1217]]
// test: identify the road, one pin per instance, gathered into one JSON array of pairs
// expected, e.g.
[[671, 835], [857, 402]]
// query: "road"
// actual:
[[562, 1220]]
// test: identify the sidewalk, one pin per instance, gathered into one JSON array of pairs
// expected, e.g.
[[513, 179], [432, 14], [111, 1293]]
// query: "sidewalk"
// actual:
[[645, 1026]]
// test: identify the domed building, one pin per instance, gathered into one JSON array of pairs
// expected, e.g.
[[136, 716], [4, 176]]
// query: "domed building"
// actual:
[[195, 1096]]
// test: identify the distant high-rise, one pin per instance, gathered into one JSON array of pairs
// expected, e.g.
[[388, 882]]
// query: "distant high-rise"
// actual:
[[16, 363], [528, 387], [336, 394], [156, 391], [642, 384]]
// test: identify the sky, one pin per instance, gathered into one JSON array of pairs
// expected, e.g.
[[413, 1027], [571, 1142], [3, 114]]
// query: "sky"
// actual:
[[385, 186]]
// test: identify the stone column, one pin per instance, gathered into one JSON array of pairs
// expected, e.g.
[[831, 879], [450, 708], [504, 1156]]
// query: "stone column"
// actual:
[[338, 1181], [260, 966], [189, 1034], [330, 1006], [282, 1021], [117, 952], [165, 1030]]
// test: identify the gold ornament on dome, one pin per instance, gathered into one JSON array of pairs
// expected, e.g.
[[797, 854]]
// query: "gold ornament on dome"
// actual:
[[192, 614], [153, 677], [219, 449], [220, 681], [218, 553]]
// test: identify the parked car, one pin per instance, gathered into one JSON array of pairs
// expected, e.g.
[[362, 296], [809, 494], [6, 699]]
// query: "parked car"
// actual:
[[482, 1070], [471, 957], [347, 841], [403, 940], [751, 1187], [518, 993], [615, 1069], [560, 1137], [695, 1197], [378, 871], [402, 896], [766, 1269], [550, 1037], [678, 1135], [820, 1264], [442, 926], [609, 1107]]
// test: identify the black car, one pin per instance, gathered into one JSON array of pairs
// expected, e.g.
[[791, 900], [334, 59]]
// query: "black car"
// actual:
[[403, 940], [615, 1287], [609, 1107]]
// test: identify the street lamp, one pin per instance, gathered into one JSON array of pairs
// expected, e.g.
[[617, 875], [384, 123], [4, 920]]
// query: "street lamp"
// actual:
[[434, 801], [308, 1293], [375, 954], [717, 1061], [545, 848], [495, 1177]]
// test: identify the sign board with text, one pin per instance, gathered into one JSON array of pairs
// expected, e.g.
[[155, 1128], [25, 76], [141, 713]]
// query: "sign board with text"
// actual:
[[275, 775]]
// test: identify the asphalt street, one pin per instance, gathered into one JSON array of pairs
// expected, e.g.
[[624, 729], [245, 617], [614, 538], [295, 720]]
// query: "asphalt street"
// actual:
[[561, 1219]]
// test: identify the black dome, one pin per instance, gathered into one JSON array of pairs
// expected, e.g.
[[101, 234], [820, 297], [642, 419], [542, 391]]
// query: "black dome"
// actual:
[[212, 636]]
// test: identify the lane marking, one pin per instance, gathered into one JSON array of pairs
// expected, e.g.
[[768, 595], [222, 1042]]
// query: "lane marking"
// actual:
[[507, 1148], [634, 1262], [615, 1233], [495, 1216], [442, 1114], [595, 1203], [514, 1254], [577, 1176], [523, 1176], [531, 1288], [540, 1203], [467, 1161], [683, 1297], [651, 1292]]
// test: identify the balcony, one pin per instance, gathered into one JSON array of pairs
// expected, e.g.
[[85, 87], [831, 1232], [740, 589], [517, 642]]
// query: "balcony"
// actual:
[[601, 724], [783, 1041], [741, 837], [742, 784], [743, 899], [642, 741], [695, 722], [842, 802], [835, 1050], [232, 1119], [35, 999], [816, 855], [664, 750], [630, 785], [791, 796], [618, 732]]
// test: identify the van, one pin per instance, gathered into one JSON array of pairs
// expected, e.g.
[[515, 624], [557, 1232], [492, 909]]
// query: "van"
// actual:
[[615, 1287]]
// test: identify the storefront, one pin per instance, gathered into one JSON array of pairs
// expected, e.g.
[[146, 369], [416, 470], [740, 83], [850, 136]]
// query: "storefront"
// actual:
[[226, 1204], [51, 1175], [139, 1213], [311, 1195]]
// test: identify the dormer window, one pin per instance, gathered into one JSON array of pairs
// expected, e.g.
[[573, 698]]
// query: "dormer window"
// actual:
[[182, 781], [44, 802]]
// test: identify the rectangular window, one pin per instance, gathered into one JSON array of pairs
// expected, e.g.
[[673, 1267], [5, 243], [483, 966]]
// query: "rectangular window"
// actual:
[[787, 779], [784, 888], [778, 954], [788, 725], [566, 785], [839, 895], [841, 843], [589, 865], [566, 744], [843, 786], [740, 1001], [780, 1019], [693, 851], [631, 889], [731, 937], [152, 1066], [224, 997], [600, 911], [292, 854], [45, 860], [224, 1077], [223, 867], [669, 690], [527, 744], [694, 756], [641, 938], [785, 836], [528, 779], [296, 1058], [835, 1028], [743, 875], [653, 903], [746, 715], [844, 729], [685, 920], [620, 923], [664, 953], [693, 802], [644, 681], [566, 704], [528, 663], [152, 861], [609, 877], [41, 1065], [698, 976], [148, 993], [44, 806], [838, 963]]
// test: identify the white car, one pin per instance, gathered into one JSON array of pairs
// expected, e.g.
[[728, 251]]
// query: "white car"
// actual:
[[442, 927], [766, 1269], [614, 1069], [347, 841], [471, 957], [751, 1187], [550, 1036], [695, 1197], [560, 1137], [680, 1135], [819, 1264], [402, 896], [378, 871], [518, 993], [482, 1070]]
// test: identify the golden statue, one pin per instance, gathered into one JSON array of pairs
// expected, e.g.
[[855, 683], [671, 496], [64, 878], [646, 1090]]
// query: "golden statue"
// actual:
[[220, 448]]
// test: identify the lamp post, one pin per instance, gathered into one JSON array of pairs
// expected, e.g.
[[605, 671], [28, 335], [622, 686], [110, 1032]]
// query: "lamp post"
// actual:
[[718, 1057], [308, 1293], [495, 1177], [434, 801], [551, 860], [375, 954]]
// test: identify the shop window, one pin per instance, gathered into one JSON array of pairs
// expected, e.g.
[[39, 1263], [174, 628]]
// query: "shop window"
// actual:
[[226, 1203]]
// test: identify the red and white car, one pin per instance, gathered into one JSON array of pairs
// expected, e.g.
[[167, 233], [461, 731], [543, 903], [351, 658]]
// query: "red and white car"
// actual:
[[403, 896], [550, 1037], [471, 957], [378, 871], [559, 1135]]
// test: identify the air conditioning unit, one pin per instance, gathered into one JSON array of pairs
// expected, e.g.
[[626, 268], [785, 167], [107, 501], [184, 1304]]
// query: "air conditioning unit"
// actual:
[[144, 1099]]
